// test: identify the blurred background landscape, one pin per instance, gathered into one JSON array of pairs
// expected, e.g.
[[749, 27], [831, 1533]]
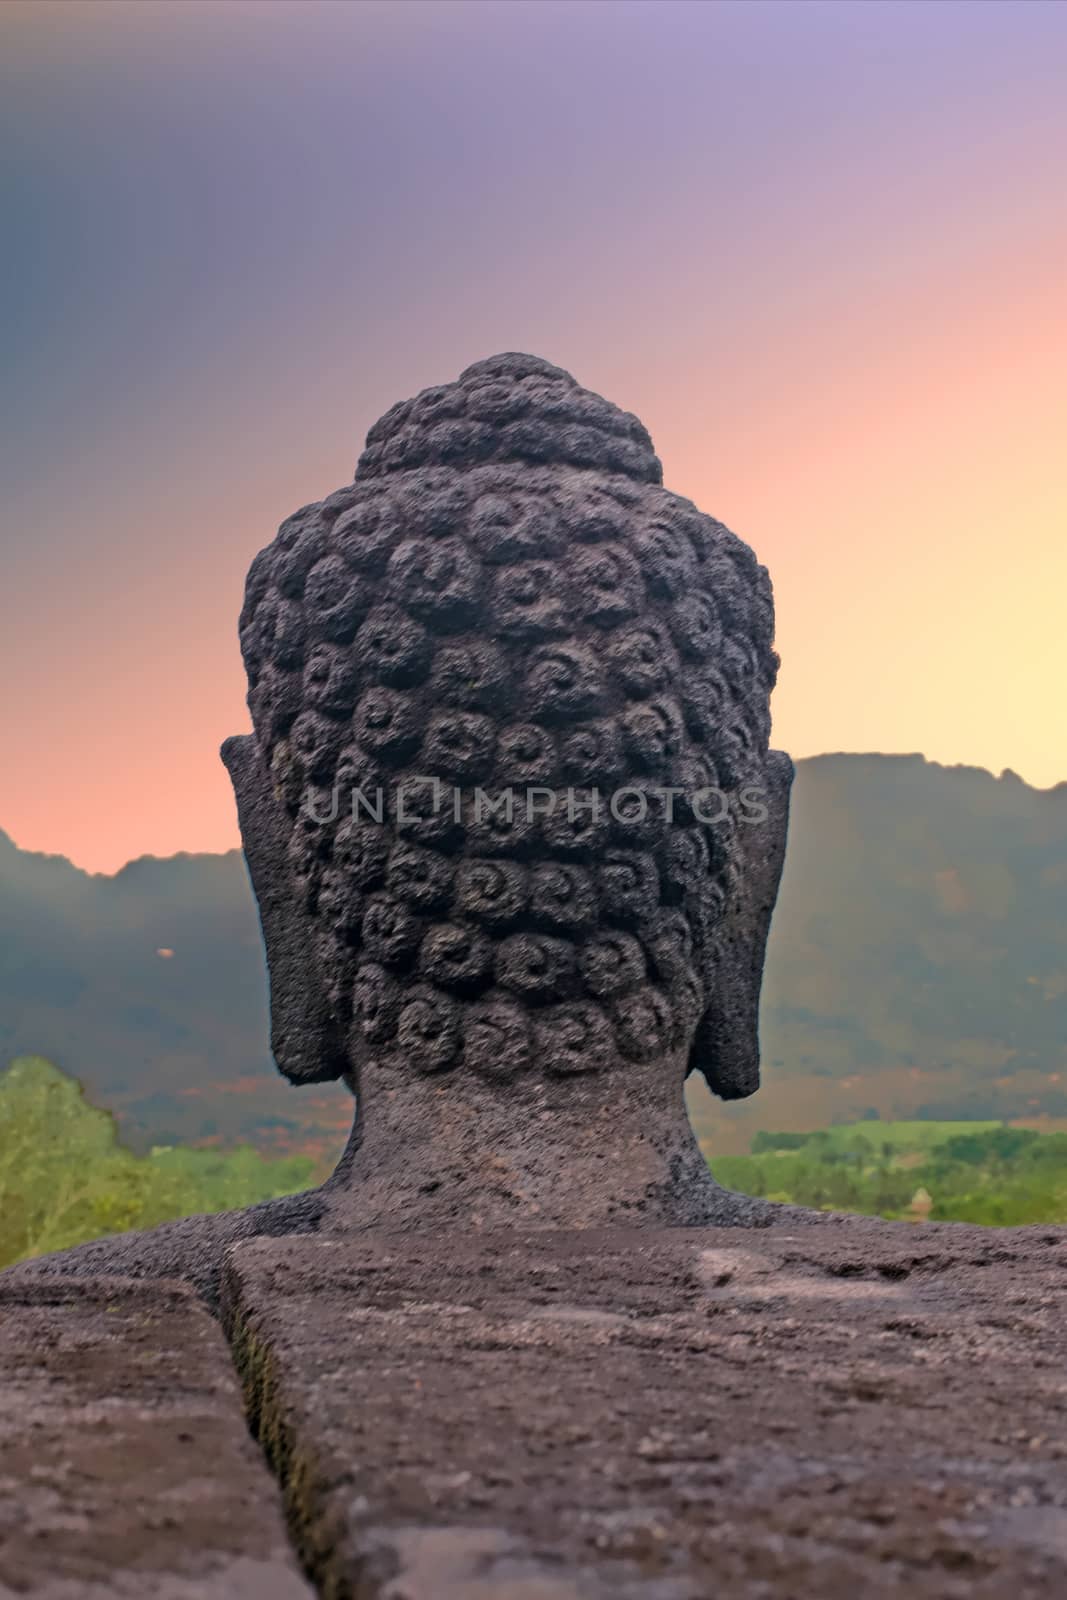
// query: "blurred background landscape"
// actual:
[[914, 1022]]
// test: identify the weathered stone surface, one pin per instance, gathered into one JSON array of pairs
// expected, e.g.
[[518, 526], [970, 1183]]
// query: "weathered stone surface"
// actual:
[[126, 1468], [190, 1250], [873, 1410]]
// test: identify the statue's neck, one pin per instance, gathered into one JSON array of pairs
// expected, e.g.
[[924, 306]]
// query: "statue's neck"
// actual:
[[582, 1151]]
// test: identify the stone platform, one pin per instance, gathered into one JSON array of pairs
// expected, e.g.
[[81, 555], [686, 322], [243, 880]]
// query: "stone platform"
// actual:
[[126, 1468], [860, 1409]]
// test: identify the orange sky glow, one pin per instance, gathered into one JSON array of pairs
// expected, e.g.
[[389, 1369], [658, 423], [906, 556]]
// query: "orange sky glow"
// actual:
[[846, 330]]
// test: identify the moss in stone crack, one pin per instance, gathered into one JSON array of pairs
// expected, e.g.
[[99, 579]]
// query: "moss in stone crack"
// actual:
[[312, 1531]]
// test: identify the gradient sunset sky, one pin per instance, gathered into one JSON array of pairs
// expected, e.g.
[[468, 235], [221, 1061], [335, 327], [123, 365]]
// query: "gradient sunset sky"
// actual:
[[820, 249]]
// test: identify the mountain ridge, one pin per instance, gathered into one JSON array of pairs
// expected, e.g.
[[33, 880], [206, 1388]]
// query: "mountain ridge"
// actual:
[[909, 757], [917, 966]]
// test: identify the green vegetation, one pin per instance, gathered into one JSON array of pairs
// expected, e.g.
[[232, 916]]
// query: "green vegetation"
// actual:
[[66, 1178], [983, 1172]]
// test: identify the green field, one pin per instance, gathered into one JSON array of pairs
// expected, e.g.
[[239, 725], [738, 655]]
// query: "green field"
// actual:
[[983, 1172], [65, 1177]]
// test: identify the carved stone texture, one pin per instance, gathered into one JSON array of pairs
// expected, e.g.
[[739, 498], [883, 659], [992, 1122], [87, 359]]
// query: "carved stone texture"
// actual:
[[510, 701]]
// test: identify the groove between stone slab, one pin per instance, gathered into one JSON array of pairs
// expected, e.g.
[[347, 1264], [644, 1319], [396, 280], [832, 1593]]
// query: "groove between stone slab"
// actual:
[[257, 1372]]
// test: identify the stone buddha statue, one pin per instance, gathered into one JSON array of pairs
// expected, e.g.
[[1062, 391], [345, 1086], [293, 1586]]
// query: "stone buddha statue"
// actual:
[[509, 808], [512, 823]]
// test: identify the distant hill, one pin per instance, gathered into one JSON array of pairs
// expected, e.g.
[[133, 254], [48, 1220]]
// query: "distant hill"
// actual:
[[917, 965], [917, 968], [149, 987]]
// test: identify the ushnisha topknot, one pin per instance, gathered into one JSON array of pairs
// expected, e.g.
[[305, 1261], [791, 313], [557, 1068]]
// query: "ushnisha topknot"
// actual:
[[510, 408]]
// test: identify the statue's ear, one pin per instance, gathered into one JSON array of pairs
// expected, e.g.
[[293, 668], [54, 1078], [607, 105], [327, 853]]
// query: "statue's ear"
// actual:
[[726, 1046], [305, 1038]]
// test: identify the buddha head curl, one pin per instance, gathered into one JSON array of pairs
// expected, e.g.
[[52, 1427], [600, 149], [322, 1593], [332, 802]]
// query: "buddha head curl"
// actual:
[[554, 675]]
